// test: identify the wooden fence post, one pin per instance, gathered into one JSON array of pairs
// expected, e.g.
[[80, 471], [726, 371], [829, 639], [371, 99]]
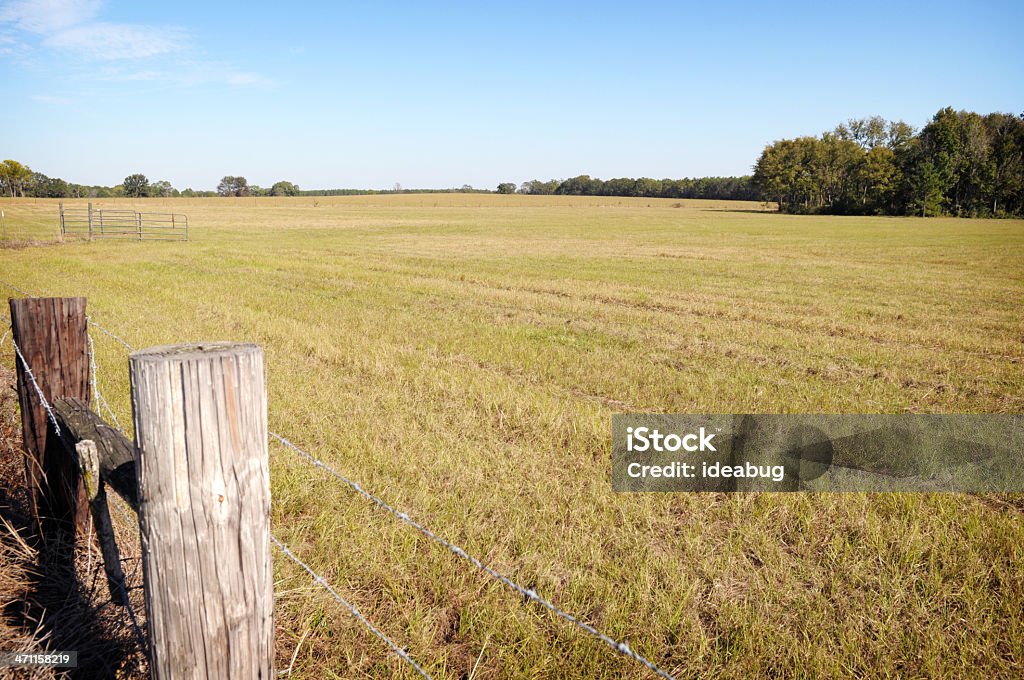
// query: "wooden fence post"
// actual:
[[200, 416], [52, 336]]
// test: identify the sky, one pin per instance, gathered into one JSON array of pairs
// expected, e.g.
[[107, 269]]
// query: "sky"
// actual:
[[367, 95]]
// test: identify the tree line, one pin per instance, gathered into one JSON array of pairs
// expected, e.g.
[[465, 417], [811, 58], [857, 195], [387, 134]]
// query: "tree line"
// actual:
[[722, 188], [18, 180], [960, 163]]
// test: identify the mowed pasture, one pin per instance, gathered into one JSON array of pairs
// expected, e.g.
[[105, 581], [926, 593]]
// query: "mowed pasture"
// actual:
[[461, 356]]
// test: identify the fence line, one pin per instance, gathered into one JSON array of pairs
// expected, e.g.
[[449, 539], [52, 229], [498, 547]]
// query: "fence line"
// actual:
[[528, 593], [140, 637], [131, 611], [320, 580]]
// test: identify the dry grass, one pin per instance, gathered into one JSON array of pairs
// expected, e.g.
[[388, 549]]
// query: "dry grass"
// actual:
[[461, 356], [47, 603]]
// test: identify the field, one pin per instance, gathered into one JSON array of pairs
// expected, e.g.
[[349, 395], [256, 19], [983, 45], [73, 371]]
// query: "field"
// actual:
[[461, 356]]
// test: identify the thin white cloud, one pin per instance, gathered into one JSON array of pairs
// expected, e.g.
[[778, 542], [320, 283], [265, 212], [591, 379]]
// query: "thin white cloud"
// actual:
[[48, 16], [185, 73], [110, 41], [73, 27], [244, 78], [52, 99]]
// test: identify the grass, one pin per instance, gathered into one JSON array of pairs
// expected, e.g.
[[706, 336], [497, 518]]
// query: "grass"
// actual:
[[461, 356]]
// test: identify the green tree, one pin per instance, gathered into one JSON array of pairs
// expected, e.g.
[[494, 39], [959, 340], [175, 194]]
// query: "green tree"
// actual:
[[536, 186], [507, 188], [867, 133], [878, 180], [283, 188], [14, 177], [923, 183], [1006, 135], [135, 185], [581, 185], [785, 173], [233, 186], [49, 187], [161, 189]]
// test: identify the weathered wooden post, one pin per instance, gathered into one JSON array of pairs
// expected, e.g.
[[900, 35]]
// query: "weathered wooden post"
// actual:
[[52, 337], [204, 508], [90, 220]]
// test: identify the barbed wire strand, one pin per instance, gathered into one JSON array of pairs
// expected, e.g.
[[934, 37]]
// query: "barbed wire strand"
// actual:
[[528, 593], [39, 392], [130, 519], [115, 337], [11, 285], [348, 605], [111, 412], [95, 384], [140, 638], [92, 369]]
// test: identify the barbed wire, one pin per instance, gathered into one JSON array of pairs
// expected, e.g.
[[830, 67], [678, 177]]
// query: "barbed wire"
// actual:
[[39, 391], [110, 411], [320, 580], [96, 386], [130, 518], [528, 593], [115, 337], [140, 637], [11, 285], [92, 370]]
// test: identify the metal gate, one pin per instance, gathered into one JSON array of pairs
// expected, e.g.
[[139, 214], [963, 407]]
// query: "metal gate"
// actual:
[[103, 223]]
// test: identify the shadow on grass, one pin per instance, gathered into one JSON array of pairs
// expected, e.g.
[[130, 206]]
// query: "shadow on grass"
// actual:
[[54, 592]]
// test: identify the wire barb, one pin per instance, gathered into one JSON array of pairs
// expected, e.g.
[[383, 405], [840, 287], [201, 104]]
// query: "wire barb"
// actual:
[[320, 580], [528, 593]]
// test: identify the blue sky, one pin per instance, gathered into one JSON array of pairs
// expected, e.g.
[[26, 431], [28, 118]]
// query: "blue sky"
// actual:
[[370, 94]]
